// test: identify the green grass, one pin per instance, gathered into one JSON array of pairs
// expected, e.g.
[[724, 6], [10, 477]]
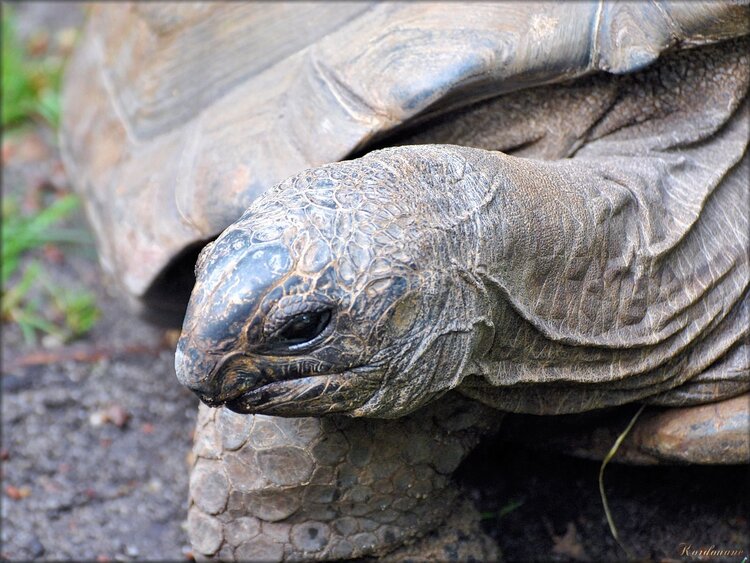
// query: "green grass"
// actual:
[[504, 511], [32, 302], [30, 93], [21, 233], [31, 85]]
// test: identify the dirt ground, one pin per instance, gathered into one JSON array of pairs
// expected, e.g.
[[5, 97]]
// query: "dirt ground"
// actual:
[[96, 434]]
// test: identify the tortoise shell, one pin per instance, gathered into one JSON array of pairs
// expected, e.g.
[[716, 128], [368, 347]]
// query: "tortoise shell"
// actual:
[[177, 117]]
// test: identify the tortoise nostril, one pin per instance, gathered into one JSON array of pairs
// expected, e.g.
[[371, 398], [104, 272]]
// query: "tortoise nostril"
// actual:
[[197, 371], [188, 366]]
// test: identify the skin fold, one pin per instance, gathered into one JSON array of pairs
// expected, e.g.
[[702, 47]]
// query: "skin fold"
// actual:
[[414, 294], [535, 286]]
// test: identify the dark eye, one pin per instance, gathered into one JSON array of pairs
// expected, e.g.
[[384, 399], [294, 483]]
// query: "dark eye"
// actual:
[[304, 327]]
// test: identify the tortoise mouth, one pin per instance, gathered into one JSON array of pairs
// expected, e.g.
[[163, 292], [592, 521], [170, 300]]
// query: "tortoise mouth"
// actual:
[[264, 396], [247, 386], [301, 396]]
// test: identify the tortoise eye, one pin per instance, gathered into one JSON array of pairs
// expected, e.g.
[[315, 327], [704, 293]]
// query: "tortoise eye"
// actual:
[[303, 327]]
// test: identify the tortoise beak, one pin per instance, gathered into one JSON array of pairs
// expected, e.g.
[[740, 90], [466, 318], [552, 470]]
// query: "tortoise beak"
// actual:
[[209, 359], [211, 376]]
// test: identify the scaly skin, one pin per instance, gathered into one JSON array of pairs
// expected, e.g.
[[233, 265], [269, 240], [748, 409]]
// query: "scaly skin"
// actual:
[[535, 286], [268, 488], [374, 287]]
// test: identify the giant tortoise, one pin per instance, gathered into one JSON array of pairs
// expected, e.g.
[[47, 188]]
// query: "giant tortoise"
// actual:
[[415, 218]]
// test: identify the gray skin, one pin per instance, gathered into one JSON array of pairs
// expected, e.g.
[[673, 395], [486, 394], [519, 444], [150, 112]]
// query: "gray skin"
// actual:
[[440, 282], [373, 286]]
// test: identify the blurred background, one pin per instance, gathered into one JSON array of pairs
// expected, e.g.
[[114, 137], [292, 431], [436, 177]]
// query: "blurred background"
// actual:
[[96, 431]]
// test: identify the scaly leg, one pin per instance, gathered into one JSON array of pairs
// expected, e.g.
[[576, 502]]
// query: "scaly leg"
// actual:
[[271, 488]]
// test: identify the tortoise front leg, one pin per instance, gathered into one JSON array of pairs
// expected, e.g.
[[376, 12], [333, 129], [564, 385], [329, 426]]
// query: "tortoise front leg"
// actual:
[[270, 488]]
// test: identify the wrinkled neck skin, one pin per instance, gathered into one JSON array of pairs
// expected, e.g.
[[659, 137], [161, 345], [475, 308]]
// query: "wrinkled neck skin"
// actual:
[[615, 275], [468, 209], [518, 282], [621, 273], [558, 287], [437, 331]]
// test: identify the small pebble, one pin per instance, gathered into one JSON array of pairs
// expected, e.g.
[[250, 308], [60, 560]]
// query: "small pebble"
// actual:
[[17, 493], [117, 415], [51, 342], [114, 414], [96, 419]]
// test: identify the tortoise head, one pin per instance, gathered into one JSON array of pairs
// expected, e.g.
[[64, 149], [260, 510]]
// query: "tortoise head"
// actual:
[[326, 296]]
